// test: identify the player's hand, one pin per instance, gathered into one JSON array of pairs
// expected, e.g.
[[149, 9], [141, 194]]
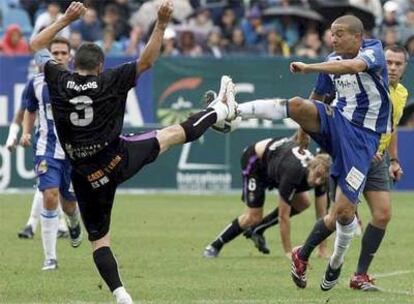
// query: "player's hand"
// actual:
[[288, 255], [74, 11], [26, 140], [395, 171], [165, 13], [378, 157], [11, 143], [298, 67]]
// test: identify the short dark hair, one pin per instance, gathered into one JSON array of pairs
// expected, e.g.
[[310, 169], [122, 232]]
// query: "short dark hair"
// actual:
[[89, 56], [354, 23], [59, 39], [396, 48]]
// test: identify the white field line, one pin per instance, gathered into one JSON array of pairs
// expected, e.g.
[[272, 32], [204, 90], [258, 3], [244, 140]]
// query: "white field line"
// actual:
[[392, 274]]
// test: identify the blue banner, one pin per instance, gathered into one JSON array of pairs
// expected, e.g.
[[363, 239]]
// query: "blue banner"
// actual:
[[15, 71]]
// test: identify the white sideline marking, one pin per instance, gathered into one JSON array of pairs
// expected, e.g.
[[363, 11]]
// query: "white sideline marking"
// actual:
[[392, 274]]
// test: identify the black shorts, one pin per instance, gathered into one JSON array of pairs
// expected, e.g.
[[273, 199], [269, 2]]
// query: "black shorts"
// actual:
[[254, 179], [95, 180]]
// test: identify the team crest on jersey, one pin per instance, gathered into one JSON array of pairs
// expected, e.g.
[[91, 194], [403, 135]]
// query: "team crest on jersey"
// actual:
[[370, 54], [42, 167]]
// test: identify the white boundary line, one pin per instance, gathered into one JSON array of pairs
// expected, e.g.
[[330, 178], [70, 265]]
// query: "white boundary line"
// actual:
[[392, 274]]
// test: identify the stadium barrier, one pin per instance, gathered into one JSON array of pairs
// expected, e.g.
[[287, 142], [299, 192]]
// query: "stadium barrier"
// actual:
[[210, 164], [168, 94]]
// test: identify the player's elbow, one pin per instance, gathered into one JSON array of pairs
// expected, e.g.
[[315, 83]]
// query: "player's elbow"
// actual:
[[144, 65], [34, 45], [356, 66]]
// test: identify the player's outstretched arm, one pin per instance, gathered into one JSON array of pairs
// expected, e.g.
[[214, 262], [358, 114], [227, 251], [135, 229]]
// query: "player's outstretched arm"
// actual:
[[284, 223], [43, 38], [28, 123], [153, 48], [348, 66]]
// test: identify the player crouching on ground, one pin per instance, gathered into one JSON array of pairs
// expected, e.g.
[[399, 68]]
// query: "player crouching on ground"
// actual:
[[268, 164]]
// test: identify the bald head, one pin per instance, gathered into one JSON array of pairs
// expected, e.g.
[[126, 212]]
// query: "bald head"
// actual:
[[353, 24]]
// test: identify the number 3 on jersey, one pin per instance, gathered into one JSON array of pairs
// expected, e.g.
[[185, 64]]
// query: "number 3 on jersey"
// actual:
[[83, 104]]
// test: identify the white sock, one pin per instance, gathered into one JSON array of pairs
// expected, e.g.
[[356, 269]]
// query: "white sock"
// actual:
[[74, 218], [37, 206], [122, 296], [62, 223], [221, 110], [344, 235], [50, 221], [272, 109]]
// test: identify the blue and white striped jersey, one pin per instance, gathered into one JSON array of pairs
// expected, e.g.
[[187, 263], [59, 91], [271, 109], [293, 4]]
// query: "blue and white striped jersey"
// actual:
[[362, 98], [46, 142]]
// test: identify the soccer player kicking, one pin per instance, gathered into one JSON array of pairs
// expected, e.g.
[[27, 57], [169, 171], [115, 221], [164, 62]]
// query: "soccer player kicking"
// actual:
[[268, 164], [52, 167], [378, 185], [89, 106], [349, 130]]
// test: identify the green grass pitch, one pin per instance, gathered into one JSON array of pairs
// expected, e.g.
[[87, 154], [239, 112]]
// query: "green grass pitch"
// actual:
[[159, 239]]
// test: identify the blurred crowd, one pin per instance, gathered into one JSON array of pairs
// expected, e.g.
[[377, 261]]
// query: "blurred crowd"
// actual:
[[202, 27]]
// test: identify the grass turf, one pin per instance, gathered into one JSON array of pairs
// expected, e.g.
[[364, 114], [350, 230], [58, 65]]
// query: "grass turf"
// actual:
[[159, 239]]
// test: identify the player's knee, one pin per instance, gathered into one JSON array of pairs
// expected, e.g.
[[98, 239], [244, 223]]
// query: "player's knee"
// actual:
[[170, 136], [50, 198], [345, 216], [250, 219], [304, 205], [296, 105], [381, 217]]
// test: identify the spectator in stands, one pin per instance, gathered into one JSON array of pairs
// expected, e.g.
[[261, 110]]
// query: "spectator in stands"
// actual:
[[275, 45], [327, 47], [135, 44], [390, 18], [310, 45], [13, 42], [147, 13], [253, 28], [201, 21], [75, 40], [409, 46], [123, 8], [169, 43], [89, 26], [404, 5], [407, 26], [390, 36], [373, 6], [188, 46], [108, 44], [214, 47], [237, 44], [228, 22], [289, 29], [112, 19], [48, 17]]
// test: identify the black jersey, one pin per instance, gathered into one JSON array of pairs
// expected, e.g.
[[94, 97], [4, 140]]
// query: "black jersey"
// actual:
[[286, 167], [88, 110]]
